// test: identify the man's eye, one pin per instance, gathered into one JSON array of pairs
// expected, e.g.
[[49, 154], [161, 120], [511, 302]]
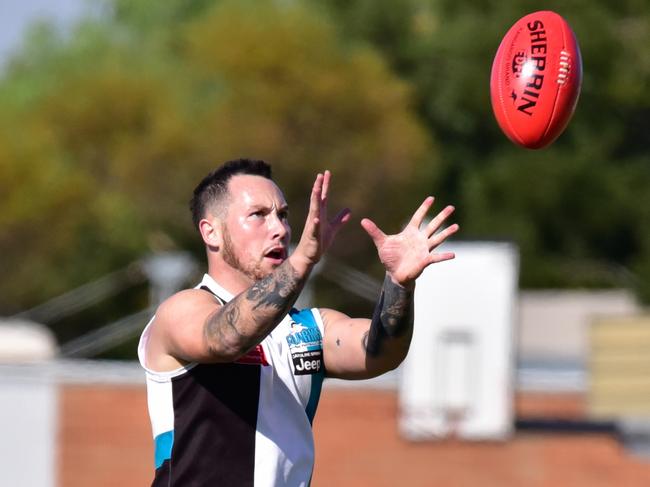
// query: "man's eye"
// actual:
[[283, 215]]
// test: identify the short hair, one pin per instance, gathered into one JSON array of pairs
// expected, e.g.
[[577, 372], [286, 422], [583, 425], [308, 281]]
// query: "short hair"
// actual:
[[215, 185]]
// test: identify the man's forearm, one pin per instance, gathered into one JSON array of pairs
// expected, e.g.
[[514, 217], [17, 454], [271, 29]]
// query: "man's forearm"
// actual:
[[392, 318], [243, 322]]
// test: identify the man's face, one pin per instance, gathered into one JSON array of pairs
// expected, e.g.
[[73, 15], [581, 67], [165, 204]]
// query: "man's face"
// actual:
[[256, 232]]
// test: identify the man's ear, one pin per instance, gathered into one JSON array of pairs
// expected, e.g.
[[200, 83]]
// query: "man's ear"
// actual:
[[211, 233]]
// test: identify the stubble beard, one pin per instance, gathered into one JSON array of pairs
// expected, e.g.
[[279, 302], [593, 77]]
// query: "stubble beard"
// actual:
[[253, 270]]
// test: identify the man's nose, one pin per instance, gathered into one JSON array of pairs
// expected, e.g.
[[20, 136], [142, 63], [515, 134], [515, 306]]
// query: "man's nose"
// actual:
[[278, 226]]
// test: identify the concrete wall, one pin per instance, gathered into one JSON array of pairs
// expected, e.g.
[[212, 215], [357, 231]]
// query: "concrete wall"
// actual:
[[554, 325]]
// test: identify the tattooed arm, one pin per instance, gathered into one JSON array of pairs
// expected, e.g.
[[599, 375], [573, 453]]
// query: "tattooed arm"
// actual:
[[192, 326], [393, 318], [358, 348], [362, 348], [236, 327], [246, 320]]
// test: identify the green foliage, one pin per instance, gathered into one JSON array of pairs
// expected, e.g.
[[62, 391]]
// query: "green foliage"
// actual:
[[105, 132], [290, 92], [578, 210], [109, 130]]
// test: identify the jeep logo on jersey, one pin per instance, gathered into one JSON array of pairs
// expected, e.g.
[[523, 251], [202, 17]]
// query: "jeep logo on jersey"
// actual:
[[309, 362]]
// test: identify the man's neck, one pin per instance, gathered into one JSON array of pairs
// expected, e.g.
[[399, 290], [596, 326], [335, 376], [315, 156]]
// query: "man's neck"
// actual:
[[230, 279]]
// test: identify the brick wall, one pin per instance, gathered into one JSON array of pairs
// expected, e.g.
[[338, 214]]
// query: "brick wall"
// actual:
[[105, 440]]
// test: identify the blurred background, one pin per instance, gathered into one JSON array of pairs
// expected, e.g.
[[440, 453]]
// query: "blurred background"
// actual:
[[113, 110]]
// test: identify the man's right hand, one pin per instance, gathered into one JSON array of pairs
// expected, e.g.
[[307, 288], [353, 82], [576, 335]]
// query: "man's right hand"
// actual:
[[319, 232]]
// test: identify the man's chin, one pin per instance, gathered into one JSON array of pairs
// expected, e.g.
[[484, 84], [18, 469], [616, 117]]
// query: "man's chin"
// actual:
[[266, 268], [274, 262]]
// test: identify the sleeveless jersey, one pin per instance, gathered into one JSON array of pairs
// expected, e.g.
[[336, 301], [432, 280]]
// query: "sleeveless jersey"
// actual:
[[243, 424]]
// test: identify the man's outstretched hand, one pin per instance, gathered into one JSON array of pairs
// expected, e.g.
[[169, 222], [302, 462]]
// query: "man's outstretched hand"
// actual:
[[319, 231], [406, 254]]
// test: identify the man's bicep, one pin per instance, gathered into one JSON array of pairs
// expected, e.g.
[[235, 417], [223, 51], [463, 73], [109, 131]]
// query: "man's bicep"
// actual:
[[181, 323], [344, 348]]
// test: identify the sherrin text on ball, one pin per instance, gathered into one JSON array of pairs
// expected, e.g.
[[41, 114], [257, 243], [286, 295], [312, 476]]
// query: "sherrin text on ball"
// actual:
[[536, 78]]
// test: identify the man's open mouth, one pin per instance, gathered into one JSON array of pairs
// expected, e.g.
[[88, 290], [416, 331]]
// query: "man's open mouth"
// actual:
[[276, 253]]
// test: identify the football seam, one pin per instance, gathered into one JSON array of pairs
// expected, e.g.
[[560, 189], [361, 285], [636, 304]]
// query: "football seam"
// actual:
[[557, 93]]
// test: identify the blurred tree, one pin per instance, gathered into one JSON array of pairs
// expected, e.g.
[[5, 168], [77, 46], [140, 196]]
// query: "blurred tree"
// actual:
[[578, 210], [291, 92], [108, 131], [104, 132]]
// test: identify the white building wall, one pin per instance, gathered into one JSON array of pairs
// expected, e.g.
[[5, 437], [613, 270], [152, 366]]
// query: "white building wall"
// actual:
[[458, 378]]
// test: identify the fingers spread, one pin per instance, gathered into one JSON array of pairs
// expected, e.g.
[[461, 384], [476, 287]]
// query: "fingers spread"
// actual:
[[373, 230], [326, 185], [440, 237], [342, 217], [316, 192], [421, 212], [434, 258], [439, 220]]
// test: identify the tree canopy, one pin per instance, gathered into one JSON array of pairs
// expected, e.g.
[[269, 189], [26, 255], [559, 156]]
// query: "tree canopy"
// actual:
[[105, 131], [109, 130], [579, 210]]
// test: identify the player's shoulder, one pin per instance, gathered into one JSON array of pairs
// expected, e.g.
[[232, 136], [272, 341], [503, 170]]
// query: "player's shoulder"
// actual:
[[184, 303], [330, 316]]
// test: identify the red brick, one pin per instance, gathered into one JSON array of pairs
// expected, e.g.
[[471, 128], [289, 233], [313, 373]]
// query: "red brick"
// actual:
[[105, 440]]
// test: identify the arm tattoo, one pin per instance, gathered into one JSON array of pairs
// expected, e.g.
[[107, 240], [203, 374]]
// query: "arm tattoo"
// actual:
[[392, 318], [251, 315], [275, 289], [232, 315]]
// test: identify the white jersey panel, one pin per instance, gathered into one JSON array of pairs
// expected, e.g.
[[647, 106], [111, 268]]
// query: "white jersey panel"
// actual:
[[291, 374]]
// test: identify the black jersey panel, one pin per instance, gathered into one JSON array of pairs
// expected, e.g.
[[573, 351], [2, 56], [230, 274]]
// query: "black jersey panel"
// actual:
[[215, 416]]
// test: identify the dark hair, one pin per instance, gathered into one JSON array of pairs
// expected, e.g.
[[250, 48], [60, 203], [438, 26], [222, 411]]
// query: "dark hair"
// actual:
[[215, 185]]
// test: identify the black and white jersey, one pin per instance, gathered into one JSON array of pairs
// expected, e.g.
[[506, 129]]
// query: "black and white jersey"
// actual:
[[243, 424]]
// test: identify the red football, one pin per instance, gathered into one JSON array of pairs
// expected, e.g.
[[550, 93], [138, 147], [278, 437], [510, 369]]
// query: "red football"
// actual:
[[536, 78]]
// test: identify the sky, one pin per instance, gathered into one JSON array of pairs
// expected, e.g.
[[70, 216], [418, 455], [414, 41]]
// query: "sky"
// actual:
[[16, 15]]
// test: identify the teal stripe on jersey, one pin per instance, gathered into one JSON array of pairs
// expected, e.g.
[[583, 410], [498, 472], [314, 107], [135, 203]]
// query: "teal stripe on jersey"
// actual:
[[314, 395], [163, 447], [306, 318]]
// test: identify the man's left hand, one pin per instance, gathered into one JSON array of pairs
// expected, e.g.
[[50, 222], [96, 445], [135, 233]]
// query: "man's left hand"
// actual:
[[405, 255]]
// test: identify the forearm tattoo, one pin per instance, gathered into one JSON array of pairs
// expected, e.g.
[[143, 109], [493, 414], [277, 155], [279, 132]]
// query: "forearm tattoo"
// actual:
[[264, 305], [393, 317], [277, 289]]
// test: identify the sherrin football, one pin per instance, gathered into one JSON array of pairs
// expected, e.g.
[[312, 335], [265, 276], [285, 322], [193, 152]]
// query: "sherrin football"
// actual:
[[535, 80]]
